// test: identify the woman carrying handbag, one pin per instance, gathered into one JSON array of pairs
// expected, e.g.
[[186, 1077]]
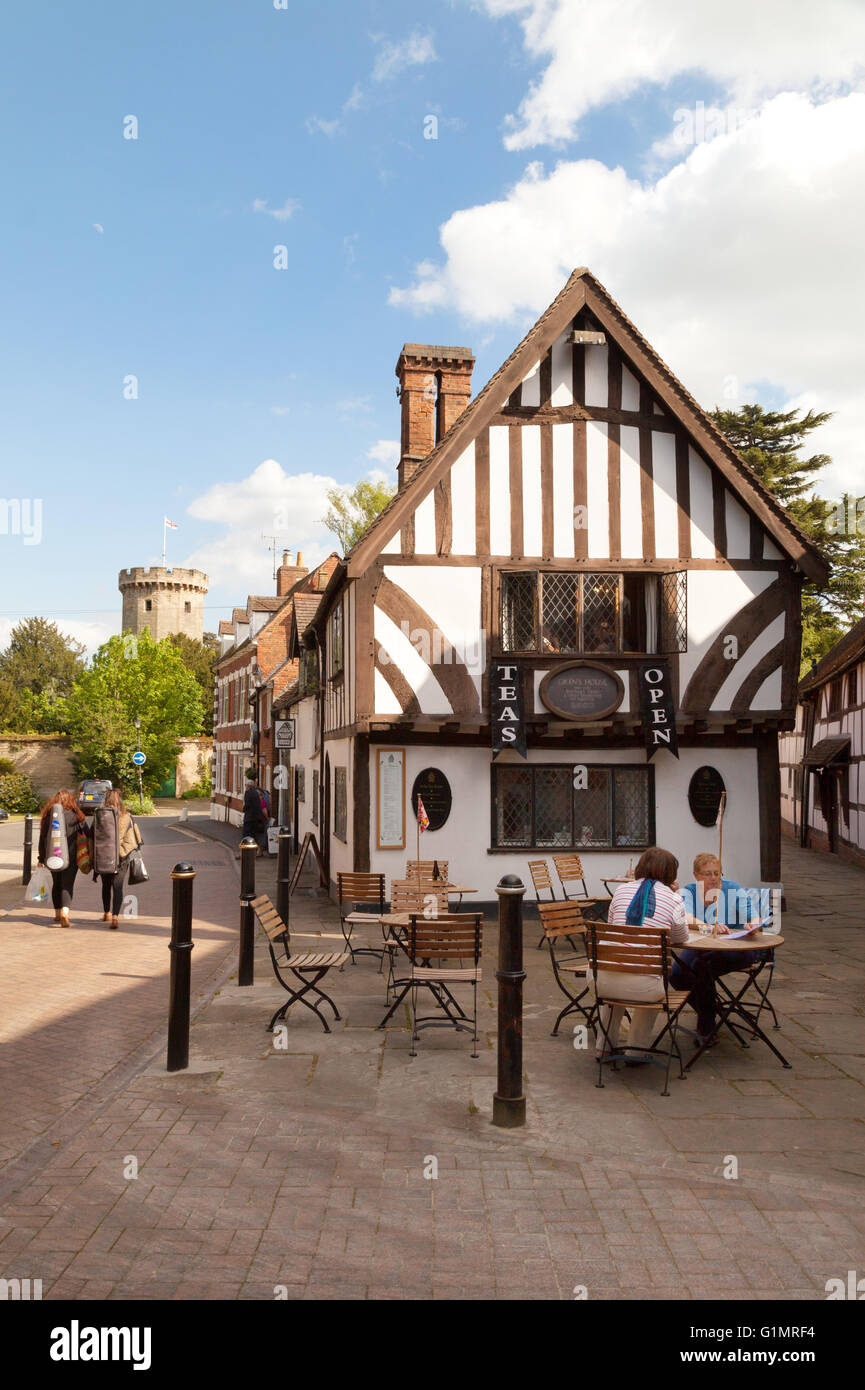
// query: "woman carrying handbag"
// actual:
[[59, 827], [128, 842]]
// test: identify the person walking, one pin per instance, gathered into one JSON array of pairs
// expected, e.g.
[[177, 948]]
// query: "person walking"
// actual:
[[127, 838], [255, 817], [59, 823]]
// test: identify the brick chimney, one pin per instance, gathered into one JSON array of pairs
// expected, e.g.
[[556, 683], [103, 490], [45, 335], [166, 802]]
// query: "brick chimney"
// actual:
[[288, 574], [435, 386]]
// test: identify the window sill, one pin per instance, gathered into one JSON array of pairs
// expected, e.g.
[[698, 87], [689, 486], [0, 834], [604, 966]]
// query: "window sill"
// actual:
[[567, 849]]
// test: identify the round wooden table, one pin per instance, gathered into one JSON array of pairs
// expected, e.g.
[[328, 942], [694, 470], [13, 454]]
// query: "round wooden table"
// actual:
[[733, 1004]]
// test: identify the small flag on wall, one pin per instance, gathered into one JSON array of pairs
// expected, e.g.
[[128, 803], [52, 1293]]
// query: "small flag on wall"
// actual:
[[422, 817]]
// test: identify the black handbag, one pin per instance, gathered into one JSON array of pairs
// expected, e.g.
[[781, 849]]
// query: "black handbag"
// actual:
[[137, 870]]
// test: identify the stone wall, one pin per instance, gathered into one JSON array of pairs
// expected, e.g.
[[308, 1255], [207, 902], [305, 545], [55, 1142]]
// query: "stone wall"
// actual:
[[47, 761], [193, 758]]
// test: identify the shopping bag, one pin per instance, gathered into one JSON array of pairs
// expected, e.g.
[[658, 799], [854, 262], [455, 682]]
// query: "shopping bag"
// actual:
[[39, 887], [137, 871], [82, 852]]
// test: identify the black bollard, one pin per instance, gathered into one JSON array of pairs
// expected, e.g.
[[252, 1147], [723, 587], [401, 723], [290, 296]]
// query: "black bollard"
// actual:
[[246, 950], [180, 947], [509, 1103], [27, 871], [283, 876]]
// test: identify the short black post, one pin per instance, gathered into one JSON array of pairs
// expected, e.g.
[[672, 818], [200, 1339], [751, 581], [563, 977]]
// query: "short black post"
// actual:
[[246, 951], [180, 947], [509, 1103], [27, 870], [283, 876]]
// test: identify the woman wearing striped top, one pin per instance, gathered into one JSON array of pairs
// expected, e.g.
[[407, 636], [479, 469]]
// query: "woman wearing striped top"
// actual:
[[652, 900]]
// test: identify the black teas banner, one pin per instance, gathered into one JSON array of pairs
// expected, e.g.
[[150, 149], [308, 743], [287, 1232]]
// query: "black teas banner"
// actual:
[[506, 708], [657, 709]]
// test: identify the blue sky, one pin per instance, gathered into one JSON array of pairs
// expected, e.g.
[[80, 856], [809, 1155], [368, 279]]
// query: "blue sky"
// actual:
[[153, 257]]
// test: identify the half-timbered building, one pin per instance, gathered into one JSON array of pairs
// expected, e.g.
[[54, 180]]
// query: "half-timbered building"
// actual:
[[578, 568], [823, 757]]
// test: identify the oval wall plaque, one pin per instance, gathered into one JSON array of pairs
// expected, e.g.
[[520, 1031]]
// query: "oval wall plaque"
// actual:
[[582, 690], [704, 795], [435, 792]]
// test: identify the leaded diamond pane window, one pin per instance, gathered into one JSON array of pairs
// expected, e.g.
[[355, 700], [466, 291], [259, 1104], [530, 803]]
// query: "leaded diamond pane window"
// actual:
[[548, 807], [630, 807], [601, 612], [592, 810], [519, 609], [513, 803], [560, 608], [340, 802], [674, 612], [553, 806]]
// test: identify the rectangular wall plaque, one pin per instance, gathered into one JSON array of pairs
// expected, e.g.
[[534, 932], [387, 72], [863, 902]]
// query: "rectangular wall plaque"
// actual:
[[390, 798]]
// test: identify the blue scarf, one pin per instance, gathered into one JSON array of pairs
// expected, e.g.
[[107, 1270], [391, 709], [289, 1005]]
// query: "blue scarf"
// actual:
[[642, 904]]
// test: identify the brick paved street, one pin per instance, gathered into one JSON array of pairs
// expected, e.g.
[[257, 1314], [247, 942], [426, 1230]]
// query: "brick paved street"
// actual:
[[305, 1167]]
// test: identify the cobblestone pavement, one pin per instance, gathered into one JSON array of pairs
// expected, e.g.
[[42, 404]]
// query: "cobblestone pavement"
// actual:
[[305, 1167]]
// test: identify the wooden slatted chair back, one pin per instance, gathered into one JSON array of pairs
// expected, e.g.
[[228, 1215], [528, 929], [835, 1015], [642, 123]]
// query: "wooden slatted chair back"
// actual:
[[541, 877], [271, 922], [425, 868], [627, 950], [569, 868], [413, 895], [561, 919], [454, 935], [361, 888]]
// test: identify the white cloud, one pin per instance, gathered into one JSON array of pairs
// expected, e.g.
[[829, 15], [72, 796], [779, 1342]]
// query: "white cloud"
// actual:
[[384, 451], [596, 53], [288, 209], [393, 58], [98, 227], [280, 409], [317, 125], [743, 261], [268, 502], [355, 405]]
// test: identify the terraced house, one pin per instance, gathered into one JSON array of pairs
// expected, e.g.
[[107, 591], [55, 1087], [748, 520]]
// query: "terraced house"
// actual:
[[576, 623]]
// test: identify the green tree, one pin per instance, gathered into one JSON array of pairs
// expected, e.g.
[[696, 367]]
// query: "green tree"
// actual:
[[771, 442], [199, 657], [354, 509], [41, 665], [129, 676]]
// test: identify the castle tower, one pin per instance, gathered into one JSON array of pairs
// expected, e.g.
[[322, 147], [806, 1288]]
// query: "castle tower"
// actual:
[[163, 600]]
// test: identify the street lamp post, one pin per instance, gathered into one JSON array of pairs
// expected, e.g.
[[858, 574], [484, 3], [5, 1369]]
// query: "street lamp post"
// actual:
[[137, 722]]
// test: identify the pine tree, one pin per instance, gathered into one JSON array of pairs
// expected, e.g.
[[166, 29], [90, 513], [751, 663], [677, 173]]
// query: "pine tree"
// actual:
[[771, 442]]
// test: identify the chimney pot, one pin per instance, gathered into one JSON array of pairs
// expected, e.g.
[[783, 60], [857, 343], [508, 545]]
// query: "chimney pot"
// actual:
[[434, 390]]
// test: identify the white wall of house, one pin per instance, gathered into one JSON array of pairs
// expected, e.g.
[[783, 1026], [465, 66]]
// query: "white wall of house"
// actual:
[[464, 839]]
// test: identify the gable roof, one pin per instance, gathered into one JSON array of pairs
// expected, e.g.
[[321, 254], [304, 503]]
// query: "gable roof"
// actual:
[[264, 603], [583, 290], [226, 627], [846, 652]]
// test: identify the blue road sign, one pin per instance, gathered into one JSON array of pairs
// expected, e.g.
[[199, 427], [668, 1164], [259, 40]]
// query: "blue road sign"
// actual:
[[139, 759]]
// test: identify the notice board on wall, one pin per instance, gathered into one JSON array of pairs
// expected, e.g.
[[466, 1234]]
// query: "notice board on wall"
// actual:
[[390, 798]]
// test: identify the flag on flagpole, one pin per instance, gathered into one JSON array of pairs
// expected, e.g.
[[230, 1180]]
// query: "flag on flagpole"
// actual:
[[172, 525], [422, 817]]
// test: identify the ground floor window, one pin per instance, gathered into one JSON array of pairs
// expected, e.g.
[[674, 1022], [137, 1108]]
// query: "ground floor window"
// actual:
[[340, 803], [315, 796], [543, 806], [300, 774]]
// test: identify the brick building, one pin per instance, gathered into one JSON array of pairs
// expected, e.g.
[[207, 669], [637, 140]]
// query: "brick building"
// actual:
[[252, 670]]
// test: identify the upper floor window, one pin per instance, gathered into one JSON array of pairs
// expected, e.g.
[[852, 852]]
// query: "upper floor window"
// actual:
[[852, 696], [336, 641], [307, 676], [836, 696], [597, 613]]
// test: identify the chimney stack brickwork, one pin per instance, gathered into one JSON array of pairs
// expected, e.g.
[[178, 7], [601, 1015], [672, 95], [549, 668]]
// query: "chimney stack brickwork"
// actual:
[[435, 388], [288, 574]]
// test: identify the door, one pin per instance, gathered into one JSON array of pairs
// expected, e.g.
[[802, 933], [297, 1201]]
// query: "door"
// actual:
[[834, 799]]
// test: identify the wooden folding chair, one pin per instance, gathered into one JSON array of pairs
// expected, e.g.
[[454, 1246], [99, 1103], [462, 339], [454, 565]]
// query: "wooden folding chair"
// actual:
[[569, 868], [410, 895], [355, 888], [542, 883], [302, 965], [632, 953], [429, 870], [566, 920], [434, 945]]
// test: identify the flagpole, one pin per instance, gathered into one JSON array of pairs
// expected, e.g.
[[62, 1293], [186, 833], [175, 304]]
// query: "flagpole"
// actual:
[[721, 840], [163, 542]]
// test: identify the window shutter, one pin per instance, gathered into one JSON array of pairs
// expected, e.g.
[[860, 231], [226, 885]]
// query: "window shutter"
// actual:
[[674, 612]]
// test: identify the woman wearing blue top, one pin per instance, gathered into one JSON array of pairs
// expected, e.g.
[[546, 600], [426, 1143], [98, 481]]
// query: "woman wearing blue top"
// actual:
[[725, 904]]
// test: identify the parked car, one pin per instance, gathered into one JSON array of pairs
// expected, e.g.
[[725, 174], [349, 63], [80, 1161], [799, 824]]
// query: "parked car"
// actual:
[[92, 793], [4, 815]]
